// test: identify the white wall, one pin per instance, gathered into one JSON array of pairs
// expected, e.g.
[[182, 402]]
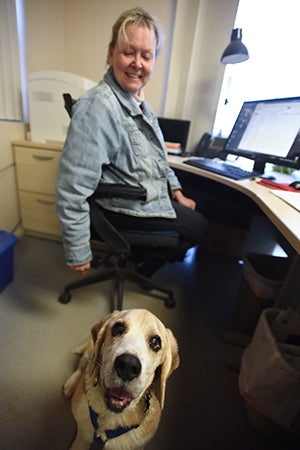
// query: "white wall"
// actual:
[[9, 216], [73, 35], [202, 31], [44, 31]]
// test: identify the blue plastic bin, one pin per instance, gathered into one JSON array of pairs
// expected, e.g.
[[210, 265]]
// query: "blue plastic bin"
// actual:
[[7, 243]]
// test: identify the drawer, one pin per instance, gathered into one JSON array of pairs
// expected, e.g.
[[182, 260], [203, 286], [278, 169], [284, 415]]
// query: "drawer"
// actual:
[[38, 213], [36, 169]]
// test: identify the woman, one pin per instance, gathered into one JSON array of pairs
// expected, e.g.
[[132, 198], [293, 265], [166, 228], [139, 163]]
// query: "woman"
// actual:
[[113, 136]]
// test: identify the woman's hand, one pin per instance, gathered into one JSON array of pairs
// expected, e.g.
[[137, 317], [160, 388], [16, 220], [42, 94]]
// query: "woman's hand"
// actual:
[[82, 268], [180, 198]]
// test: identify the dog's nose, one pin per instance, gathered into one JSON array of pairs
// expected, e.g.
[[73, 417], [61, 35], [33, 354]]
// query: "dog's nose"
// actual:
[[128, 366]]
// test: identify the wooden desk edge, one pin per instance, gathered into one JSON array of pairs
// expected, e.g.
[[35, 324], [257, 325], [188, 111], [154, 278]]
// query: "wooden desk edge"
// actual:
[[57, 146], [284, 217]]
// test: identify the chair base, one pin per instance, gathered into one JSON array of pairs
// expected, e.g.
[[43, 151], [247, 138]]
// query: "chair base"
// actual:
[[120, 275]]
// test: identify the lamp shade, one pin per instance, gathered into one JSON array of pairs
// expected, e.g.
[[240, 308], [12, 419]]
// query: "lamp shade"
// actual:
[[236, 51]]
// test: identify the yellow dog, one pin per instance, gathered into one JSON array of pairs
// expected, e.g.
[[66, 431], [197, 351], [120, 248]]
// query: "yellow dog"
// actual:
[[118, 388]]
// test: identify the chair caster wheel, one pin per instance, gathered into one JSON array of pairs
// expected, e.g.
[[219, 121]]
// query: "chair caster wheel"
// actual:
[[170, 302], [64, 297]]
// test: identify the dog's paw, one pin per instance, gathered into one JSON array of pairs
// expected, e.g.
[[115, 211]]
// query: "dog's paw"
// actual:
[[67, 391], [70, 385], [79, 350]]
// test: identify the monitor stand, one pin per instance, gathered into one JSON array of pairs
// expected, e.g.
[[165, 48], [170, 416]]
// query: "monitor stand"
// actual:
[[259, 166]]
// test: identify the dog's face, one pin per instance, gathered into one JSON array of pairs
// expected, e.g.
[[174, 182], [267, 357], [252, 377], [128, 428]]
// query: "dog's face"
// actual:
[[134, 351]]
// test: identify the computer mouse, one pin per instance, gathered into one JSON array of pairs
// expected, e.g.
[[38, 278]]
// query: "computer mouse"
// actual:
[[295, 185]]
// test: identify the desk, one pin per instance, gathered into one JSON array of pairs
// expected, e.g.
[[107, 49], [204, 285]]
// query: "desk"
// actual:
[[285, 218]]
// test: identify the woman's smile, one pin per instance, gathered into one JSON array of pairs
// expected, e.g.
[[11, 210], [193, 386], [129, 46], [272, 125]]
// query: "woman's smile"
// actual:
[[133, 60]]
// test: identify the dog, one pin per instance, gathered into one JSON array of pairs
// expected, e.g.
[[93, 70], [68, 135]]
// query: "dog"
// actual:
[[118, 387]]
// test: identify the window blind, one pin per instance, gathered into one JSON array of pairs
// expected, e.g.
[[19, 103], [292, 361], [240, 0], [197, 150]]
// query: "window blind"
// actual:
[[10, 66]]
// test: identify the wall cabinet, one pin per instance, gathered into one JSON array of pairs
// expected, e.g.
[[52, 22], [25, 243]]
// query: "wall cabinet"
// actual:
[[36, 166]]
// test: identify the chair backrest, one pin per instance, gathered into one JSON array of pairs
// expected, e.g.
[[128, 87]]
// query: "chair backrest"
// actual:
[[69, 103]]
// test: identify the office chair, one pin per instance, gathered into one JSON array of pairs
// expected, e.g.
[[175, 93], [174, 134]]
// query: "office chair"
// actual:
[[120, 250]]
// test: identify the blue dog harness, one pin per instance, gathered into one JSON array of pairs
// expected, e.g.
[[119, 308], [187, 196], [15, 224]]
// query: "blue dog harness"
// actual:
[[110, 434]]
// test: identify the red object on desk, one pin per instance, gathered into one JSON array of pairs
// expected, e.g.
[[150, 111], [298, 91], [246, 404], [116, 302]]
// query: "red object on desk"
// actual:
[[274, 185]]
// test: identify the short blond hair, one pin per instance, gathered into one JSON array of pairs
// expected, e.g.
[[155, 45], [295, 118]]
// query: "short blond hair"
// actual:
[[139, 17]]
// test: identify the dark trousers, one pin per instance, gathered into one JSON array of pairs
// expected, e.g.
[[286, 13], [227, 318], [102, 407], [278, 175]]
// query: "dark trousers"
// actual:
[[190, 225]]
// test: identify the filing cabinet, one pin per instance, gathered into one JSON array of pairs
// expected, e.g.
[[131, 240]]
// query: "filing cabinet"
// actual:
[[36, 167]]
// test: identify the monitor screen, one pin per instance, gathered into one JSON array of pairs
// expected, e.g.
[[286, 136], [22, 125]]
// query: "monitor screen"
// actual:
[[267, 131], [175, 130]]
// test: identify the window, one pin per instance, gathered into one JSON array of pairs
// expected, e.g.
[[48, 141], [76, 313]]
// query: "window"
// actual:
[[12, 57], [271, 33]]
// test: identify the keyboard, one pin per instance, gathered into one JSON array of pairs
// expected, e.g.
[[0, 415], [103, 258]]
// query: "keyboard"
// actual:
[[227, 170]]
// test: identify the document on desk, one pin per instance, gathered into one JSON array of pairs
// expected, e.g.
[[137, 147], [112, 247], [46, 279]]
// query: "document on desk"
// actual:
[[292, 198]]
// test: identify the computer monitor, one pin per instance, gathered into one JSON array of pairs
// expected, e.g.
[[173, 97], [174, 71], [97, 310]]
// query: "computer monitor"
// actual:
[[175, 130], [267, 131]]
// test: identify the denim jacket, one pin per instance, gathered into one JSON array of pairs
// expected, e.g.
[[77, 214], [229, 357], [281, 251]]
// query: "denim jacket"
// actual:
[[110, 140]]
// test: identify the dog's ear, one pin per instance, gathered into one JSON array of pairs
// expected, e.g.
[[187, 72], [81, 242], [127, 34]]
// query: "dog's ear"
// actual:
[[95, 330], [98, 332], [170, 362], [98, 336]]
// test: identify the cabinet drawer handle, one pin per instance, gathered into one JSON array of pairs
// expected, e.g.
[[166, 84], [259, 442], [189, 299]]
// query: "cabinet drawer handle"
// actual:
[[43, 158], [45, 202]]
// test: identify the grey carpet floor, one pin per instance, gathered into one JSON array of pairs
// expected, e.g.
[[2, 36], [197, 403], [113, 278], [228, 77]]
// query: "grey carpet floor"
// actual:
[[203, 408]]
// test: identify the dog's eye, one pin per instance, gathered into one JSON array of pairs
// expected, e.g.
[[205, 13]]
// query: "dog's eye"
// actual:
[[155, 343], [118, 329]]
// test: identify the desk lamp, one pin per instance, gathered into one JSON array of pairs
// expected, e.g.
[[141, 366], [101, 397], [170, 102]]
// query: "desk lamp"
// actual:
[[236, 51]]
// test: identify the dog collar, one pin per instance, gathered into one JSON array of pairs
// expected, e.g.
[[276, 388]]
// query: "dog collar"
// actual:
[[110, 434]]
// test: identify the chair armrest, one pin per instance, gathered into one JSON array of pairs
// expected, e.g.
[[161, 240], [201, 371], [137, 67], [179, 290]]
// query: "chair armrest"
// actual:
[[106, 231], [69, 102], [121, 190], [101, 225]]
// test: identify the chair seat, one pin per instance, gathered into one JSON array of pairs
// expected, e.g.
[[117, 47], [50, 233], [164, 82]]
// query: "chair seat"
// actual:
[[153, 239]]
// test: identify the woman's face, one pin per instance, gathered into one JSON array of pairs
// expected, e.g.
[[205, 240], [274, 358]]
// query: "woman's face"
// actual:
[[133, 61]]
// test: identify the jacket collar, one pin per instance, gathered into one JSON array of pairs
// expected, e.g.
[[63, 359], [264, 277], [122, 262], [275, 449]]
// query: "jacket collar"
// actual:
[[124, 97]]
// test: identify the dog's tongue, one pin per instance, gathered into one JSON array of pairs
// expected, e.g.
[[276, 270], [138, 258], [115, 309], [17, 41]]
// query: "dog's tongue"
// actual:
[[118, 398]]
